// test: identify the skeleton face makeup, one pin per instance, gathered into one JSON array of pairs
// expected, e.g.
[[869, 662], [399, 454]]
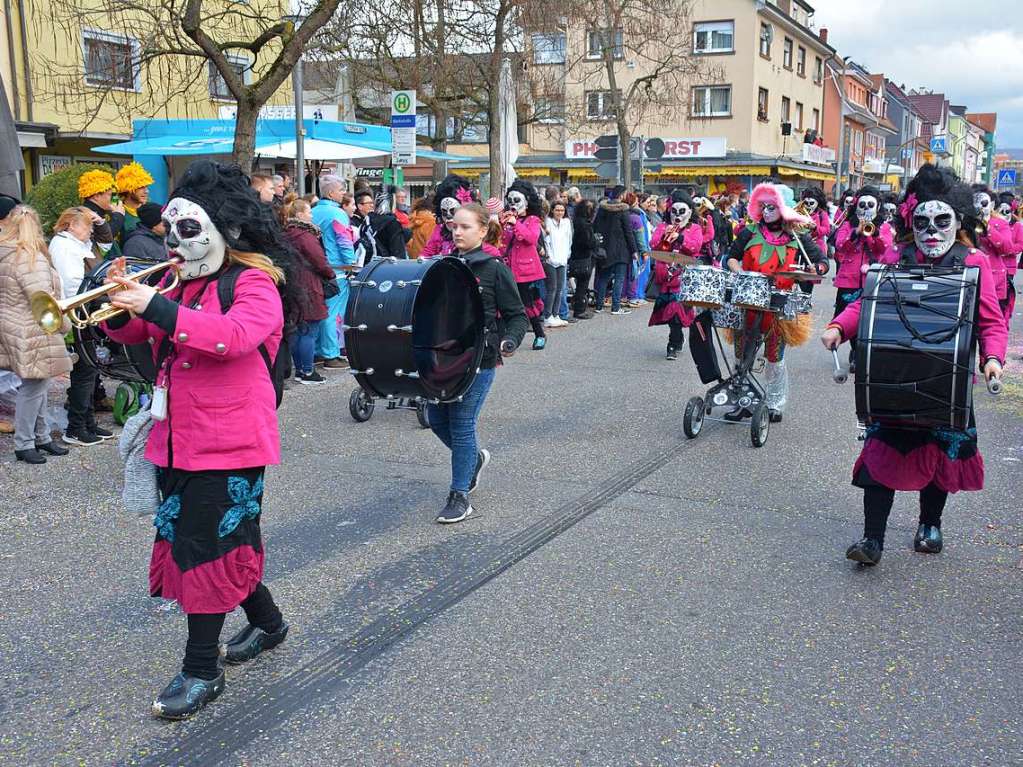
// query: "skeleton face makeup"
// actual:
[[1005, 210], [866, 208], [680, 214], [889, 209], [192, 236], [982, 204], [770, 212], [516, 201], [810, 204], [934, 228], [448, 206], [848, 201]]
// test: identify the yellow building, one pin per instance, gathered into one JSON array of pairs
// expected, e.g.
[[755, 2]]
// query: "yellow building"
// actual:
[[76, 76]]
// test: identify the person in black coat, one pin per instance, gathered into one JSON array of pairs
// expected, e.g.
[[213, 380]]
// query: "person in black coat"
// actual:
[[381, 232], [145, 241], [614, 235], [580, 262]]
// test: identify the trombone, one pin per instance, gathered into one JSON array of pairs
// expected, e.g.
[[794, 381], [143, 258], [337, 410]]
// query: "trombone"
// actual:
[[49, 313]]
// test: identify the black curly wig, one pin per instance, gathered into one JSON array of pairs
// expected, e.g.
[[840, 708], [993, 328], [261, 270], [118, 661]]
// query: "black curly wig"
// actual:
[[815, 193], [449, 187], [866, 191], [934, 183], [246, 223], [533, 205]]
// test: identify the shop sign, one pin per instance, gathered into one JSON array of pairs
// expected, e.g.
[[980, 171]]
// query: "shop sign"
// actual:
[[674, 148], [820, 155], [50, 164]]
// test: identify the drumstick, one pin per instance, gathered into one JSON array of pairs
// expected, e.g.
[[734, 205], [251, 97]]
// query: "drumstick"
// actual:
[[994, 385], [840, 375]]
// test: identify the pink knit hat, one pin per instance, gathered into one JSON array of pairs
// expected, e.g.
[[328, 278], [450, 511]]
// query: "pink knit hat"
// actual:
[[494, 206], [774, 194]]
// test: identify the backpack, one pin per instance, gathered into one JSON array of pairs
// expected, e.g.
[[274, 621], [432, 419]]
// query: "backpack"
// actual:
[[280, 367]]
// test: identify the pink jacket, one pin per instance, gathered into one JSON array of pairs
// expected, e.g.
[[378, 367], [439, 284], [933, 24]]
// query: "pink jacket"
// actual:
[[1017, 238], [222, 407], [1000, 246], [520, 250], [992, 334], [689, 243], [821, 229], [438, 244], [853, 254]]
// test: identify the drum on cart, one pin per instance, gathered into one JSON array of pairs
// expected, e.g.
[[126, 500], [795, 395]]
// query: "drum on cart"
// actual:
[[132, 363], [728, 317], [415, 328], [752, 290], [916, 346], [703, 286]]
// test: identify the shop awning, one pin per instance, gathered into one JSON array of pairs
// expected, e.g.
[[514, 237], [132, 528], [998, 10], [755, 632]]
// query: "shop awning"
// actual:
[[880, 168], [809, 175], [716, 170]]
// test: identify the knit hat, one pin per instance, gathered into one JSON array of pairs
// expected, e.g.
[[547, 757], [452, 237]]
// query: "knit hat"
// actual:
[[150, 214], [494, 206], [778, 195], [131, 177], [7, 204], [94, 182]]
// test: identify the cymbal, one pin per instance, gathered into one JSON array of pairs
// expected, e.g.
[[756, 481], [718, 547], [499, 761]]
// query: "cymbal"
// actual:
[[798, 276], [672, 258]]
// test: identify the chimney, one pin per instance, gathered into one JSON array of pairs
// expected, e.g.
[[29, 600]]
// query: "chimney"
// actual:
[[823, 35]]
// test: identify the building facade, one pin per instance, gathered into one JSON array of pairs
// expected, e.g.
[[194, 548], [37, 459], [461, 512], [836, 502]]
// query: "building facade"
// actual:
[[907, 147]]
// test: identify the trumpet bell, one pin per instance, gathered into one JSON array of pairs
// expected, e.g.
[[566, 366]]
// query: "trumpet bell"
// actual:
[[46, 312]]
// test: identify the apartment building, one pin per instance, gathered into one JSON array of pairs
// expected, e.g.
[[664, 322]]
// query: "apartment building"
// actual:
[[73, 89], [987, 122], [908, 145]]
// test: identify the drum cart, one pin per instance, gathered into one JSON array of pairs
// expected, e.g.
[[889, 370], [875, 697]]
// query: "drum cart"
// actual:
[[361, 405]]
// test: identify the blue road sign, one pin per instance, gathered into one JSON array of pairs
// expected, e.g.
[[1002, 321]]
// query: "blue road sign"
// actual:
[[1006, 177], [939, 145]]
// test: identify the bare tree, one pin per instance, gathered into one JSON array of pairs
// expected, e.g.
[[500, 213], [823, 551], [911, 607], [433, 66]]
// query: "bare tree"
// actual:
[[156, 53]]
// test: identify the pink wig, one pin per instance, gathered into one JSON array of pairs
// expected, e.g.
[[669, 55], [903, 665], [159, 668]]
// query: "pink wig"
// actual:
[[772, 194]]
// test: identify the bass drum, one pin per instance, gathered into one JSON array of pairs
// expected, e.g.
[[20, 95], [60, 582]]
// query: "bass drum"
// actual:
[[415, 328], [113, 360]]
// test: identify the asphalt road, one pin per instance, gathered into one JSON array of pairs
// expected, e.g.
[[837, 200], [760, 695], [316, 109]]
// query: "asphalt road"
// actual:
[[622, 596]]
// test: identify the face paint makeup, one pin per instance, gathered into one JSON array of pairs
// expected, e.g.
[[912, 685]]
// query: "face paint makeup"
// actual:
[[448, 206], [866, 208], [770, 212], [516, 201], [680, 214], [934, 228], [192, 236], [982, 205]]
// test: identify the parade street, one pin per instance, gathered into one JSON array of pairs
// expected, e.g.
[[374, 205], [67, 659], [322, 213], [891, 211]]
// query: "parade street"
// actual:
[[621, 595]]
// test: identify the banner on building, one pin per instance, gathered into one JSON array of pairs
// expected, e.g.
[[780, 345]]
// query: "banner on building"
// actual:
[[674, 148]]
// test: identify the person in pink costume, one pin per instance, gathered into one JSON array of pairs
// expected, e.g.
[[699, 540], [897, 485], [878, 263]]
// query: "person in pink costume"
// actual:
[[855, 249], [816, 206], [522, 231], [452, 193], [679, 235], [1006, 204], [939, 212]]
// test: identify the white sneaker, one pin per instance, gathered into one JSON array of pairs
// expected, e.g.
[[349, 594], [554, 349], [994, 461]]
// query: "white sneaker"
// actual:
[[557, 322], [549, 322]]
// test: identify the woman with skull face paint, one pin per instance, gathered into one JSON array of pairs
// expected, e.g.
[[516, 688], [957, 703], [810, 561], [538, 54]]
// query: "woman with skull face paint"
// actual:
[[214, 421], [452, 193], [816, 205], [521, 225], [938, 215], [996, 239], [680, 235], [856, 248]]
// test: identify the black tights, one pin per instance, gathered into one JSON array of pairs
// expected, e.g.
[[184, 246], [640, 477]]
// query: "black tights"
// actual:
[[202, 649], [676, 339], [877, 504]]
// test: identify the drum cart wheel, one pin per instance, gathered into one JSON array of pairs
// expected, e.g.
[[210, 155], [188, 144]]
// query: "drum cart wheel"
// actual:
[[760, 425], [424, 420], [692, 419], [360, 405]]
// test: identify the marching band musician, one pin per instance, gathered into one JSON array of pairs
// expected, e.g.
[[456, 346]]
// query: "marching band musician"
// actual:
[[679, 235], [703, 208], [816, 206], [1006, 205], [771, 244], [939, 213], [995, 238], [859, 242]]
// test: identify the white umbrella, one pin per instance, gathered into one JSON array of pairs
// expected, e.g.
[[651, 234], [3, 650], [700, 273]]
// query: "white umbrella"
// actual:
[[320, 149], [509, 126]]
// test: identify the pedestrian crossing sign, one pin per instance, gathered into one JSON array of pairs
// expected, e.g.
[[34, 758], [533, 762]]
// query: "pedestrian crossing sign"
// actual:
[[1006, 177]]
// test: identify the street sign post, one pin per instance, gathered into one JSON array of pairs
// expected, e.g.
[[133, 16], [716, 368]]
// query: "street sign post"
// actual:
[[607, 153], [1006, 178], [939, 144], [403, 127]]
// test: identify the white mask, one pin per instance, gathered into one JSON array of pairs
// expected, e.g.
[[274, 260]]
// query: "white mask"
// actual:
[[866, 208], [810, 204], [848, 201], [1005, 210], [889, 209], [680, 214], [192, 236], [934, 228], [770, 212], [517, 201], [982, 204], [448, 206]]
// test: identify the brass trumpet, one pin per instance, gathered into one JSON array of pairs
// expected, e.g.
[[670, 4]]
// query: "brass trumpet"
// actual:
[[49, 313], [867, 229]]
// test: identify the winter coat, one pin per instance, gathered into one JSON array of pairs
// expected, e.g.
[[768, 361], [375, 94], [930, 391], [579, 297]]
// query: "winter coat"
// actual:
[[423, 223], [559, 240], [637, 220], [105, 236], [520, 241], [853, 252], [68, 255], [145, 244], [311, 269], [688, 243], [222, 408], [389, 236], [583, 242], [438, 244], [336, 230], [999, 243], [613, 224], [503, 313], [25, 349]]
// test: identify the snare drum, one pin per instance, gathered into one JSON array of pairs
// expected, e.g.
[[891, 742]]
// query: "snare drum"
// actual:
[[799, 303], [752, 290], [728, 316], [415, 328], [703, 286]]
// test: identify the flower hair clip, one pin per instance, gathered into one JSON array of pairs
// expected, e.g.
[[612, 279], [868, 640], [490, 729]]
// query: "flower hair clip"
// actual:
[[907, 208], [463, 195]]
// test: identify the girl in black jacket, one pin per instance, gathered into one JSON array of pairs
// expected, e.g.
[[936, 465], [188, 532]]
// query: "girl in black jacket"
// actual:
[[454, 423], [580, 262]]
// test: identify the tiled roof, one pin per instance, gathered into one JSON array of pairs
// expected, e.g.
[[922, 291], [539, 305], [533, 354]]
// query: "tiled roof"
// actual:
[[985, 120], [929, 104]]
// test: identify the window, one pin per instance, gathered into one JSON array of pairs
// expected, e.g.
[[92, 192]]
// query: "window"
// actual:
[[786, 56], [766, 35], [111, 61], [549, 48], [817, 120], [595, 43], [712, 101], [714, 37], [549, 110], [218, 86], [599, 105], [762, 98], [801, 62], [786, 108], [818, 69], [858, 142], [799, 116]]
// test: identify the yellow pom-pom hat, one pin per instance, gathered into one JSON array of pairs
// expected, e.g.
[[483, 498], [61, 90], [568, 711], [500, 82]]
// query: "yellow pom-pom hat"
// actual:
[[93, 182], [131, 177]]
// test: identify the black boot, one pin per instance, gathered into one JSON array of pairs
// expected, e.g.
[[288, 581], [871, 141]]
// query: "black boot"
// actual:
[[30, 456], [185, 695], [866, 551], [928, 539], [250, 642]]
